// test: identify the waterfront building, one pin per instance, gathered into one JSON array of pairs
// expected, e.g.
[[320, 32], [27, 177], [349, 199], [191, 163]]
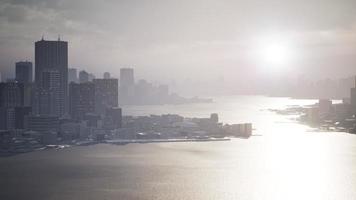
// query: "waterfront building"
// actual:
[[113, 118], [42, 123], [23, 72], [353, 99]]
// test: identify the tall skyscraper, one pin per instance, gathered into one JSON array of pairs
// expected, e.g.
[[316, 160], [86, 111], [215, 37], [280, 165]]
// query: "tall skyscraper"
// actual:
[[83, 76], [106, 94], [51, 59], [126, 77], [72, 75], [81, 99], [24, 72]]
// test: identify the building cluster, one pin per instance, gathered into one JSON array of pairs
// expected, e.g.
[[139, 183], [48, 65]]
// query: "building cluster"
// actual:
[[59, 106], [338, 117], [52, 108]]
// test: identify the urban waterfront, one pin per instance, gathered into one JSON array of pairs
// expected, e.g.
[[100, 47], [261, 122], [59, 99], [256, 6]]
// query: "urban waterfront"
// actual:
[[283, 160]]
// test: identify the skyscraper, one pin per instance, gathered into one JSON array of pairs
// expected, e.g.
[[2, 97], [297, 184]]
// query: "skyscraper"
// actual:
[[72, 75], [106, 94], [81, 99], [51, 59], [24, 72]]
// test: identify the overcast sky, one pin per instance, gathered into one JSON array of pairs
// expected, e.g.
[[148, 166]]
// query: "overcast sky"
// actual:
[[184, 39]]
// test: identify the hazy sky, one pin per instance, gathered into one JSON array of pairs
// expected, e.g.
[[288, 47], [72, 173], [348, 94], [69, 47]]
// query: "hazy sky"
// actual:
[[186, 39]]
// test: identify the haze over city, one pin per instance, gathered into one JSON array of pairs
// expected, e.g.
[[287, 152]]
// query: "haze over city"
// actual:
[[177, 99], [237, 42]]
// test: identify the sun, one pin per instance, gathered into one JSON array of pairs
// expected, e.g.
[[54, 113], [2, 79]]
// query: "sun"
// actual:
[[274, 52]]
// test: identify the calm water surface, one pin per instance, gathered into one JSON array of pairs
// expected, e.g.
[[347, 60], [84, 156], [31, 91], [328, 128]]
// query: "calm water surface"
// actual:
[[287, 161]]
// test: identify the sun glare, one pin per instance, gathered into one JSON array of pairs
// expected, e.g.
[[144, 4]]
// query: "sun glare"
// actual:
[[274, 52]]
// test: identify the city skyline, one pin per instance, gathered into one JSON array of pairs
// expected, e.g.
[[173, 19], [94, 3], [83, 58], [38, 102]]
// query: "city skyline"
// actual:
[[319, 36]]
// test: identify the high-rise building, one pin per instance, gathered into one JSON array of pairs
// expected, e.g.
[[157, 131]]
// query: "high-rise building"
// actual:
[[81, 99], [106, 94], [72, 75], [51, 59], [83, 76], [126, 77], [353, 99], [24, 72], [11, 96]]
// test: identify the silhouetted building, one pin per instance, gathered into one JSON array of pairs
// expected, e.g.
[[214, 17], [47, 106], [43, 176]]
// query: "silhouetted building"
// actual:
[[81, 99], [23, 72], [127, 77], [106, 75], [83, 76], [72, 75], [106, 94], [353, 99], [52, 56], [11, 94]]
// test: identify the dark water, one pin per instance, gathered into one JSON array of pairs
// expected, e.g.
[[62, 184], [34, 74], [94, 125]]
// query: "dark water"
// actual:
[[288, 161]]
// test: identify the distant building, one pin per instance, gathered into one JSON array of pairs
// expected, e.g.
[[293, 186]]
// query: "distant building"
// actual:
[[81, 99], [353, 99], [106, 75], [106, 94], [23, 72], [126, 77], [91, 77], [72, 75], [214, 117], [83, 76], [52, 56], [325, 106]]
